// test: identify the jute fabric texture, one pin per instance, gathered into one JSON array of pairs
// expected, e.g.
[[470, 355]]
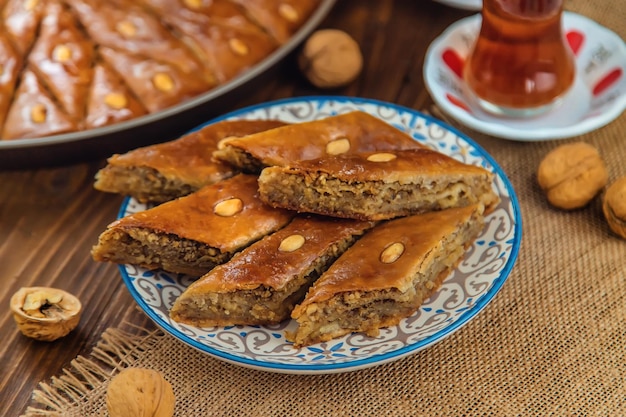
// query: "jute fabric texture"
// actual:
[[552, 342]]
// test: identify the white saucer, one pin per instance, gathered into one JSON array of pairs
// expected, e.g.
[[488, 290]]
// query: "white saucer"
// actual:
[[463, 4], [597, 98]]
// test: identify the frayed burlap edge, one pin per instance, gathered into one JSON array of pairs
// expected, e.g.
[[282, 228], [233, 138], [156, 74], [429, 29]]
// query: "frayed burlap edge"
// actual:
[[117, 349]]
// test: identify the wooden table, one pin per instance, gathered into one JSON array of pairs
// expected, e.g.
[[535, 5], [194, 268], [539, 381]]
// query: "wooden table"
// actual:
[[50, 218]]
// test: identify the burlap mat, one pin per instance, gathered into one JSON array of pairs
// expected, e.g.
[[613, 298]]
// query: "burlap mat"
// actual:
[[551, 343]]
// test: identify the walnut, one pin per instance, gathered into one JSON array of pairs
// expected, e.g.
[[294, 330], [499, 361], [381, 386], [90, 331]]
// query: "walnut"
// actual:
[[614, 206], [45, 313], [140, 392], [572, 174], [330, 58]]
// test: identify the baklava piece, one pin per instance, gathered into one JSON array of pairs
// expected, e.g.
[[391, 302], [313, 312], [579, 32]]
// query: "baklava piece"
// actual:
[[10, 66], [377, 186], [21, 20], [109, 100], [281, 18], [218, 32], [263, 283], [193, 234], [347, 133], [34, 112], [63, 59], [157, 84], [386, 275], [125, 26], [162, 172]]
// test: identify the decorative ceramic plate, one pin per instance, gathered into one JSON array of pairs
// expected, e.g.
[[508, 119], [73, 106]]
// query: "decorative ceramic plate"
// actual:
[[464, 293], [463, 4], [597, 97]]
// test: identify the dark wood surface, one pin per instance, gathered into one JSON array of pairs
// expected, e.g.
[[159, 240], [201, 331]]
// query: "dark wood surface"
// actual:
[[50, 218]]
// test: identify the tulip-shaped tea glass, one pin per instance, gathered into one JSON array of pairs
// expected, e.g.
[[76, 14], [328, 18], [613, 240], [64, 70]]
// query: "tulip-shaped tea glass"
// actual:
[[521, 64]]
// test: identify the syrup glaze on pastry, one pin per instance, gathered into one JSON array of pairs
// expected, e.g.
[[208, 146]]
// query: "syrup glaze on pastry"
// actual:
[[378, 185], [34, 112], [10, 66], [261, 284], [62, 56], [386, 275], [346, 133], [194, 233], [165, 171]]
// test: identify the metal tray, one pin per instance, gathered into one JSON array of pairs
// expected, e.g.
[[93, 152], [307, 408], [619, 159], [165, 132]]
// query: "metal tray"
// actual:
[[156, 127]]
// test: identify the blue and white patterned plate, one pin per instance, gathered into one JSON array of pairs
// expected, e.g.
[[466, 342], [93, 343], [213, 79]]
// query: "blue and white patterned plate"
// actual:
[[468, 289]]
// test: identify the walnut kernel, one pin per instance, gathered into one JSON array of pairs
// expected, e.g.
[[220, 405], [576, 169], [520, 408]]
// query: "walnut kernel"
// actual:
[[45, 313], [571, 175], [331, 58], [140, 392], [614, 206]]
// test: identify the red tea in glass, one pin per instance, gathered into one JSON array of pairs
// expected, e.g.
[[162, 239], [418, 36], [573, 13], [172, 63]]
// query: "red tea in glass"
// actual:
[[521, 64]]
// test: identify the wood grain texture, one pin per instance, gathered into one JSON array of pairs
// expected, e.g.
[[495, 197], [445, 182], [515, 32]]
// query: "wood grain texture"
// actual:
[[50, 218]]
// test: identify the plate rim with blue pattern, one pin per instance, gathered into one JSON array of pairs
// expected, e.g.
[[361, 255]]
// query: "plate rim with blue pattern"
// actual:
[[265, 347]]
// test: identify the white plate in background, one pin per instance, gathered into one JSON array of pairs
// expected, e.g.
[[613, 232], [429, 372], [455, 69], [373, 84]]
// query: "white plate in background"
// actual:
[[597, 98]]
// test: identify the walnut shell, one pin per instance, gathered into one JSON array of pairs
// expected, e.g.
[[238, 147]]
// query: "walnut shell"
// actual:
[[330, 58], [140, 392], [572, 175], [44, 313], [614, 206]]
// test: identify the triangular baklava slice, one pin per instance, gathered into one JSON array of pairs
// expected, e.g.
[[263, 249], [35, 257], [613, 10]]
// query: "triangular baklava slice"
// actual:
[[63, 58], [109, 100], [346, 133], [262, 283], [377, 186], [218, 32], [281, 18], [125, 26], [386, 275], [164, 171], [157, 84], [192, 234], [10, 67], [21, 20], [34, 112]]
